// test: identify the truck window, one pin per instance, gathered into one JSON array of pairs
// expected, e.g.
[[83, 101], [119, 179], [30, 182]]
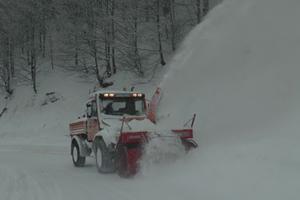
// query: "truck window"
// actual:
[[124, 105], [91, 109]]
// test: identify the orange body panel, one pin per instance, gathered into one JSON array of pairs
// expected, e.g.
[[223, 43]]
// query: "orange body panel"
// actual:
[[78, 127], [85, 126], [92, 128]]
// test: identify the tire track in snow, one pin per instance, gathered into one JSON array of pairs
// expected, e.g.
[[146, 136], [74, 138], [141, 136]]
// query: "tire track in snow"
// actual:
[[38, 149], [20, 185]]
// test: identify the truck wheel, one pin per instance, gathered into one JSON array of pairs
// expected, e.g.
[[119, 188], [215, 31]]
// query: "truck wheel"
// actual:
[[103, 158], [78, 160]]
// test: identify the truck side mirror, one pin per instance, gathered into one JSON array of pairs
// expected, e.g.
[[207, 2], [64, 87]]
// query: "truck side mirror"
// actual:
[[89, 110]]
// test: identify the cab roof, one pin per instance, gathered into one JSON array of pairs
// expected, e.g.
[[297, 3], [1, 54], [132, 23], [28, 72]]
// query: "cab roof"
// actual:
[[113, 91]]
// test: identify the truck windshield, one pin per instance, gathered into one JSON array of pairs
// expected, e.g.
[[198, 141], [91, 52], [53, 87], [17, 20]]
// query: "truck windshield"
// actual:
[[123, 105]]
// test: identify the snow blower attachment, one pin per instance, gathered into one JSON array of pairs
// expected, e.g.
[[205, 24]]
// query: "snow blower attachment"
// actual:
[[115, 128]]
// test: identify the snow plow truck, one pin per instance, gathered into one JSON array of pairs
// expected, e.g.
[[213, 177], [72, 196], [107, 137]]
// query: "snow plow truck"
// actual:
[[114, 129]]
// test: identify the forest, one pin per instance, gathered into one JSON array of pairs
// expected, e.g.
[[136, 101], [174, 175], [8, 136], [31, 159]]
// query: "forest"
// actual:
[[95, 38]]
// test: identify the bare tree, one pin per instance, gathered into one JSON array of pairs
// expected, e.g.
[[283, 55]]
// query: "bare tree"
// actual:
[[158, 25], [95, 37], [5, 68], [199, 11], [113, 37], [205, 7], [129, 37], [6, 48]]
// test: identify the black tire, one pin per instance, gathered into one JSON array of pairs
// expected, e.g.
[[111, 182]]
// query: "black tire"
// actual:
[[78, 160], [103, 157]]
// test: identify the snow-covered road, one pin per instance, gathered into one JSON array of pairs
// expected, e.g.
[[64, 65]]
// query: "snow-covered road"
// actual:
[[255, 169], [42, 172], [46, 172], [29, 172]]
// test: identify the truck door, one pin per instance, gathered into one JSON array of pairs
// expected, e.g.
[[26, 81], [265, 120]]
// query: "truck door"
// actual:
[[92, 121]]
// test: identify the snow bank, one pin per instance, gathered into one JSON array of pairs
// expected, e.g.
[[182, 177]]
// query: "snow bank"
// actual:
[[239, 72]]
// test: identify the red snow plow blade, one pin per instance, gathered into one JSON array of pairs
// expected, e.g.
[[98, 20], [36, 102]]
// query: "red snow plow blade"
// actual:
[[142, 137], [129, 151], [130, 147]]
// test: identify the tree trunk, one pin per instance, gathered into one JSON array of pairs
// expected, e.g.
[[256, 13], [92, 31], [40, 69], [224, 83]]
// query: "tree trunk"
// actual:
[[199, 13], [114, 67], [33, 59], [44, 43], [33, 72], [162, 60], [147, 12], [172, 22], [7, 81], [76, 59], [137, 61], [6, 66], [98, 76], [205, 7], [107, 37], [86, 70], [43, 36], [51, 51], [12, 57], [40, 41]]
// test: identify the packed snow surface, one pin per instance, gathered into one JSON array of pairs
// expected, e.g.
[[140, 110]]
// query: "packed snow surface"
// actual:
[[238, 71]]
